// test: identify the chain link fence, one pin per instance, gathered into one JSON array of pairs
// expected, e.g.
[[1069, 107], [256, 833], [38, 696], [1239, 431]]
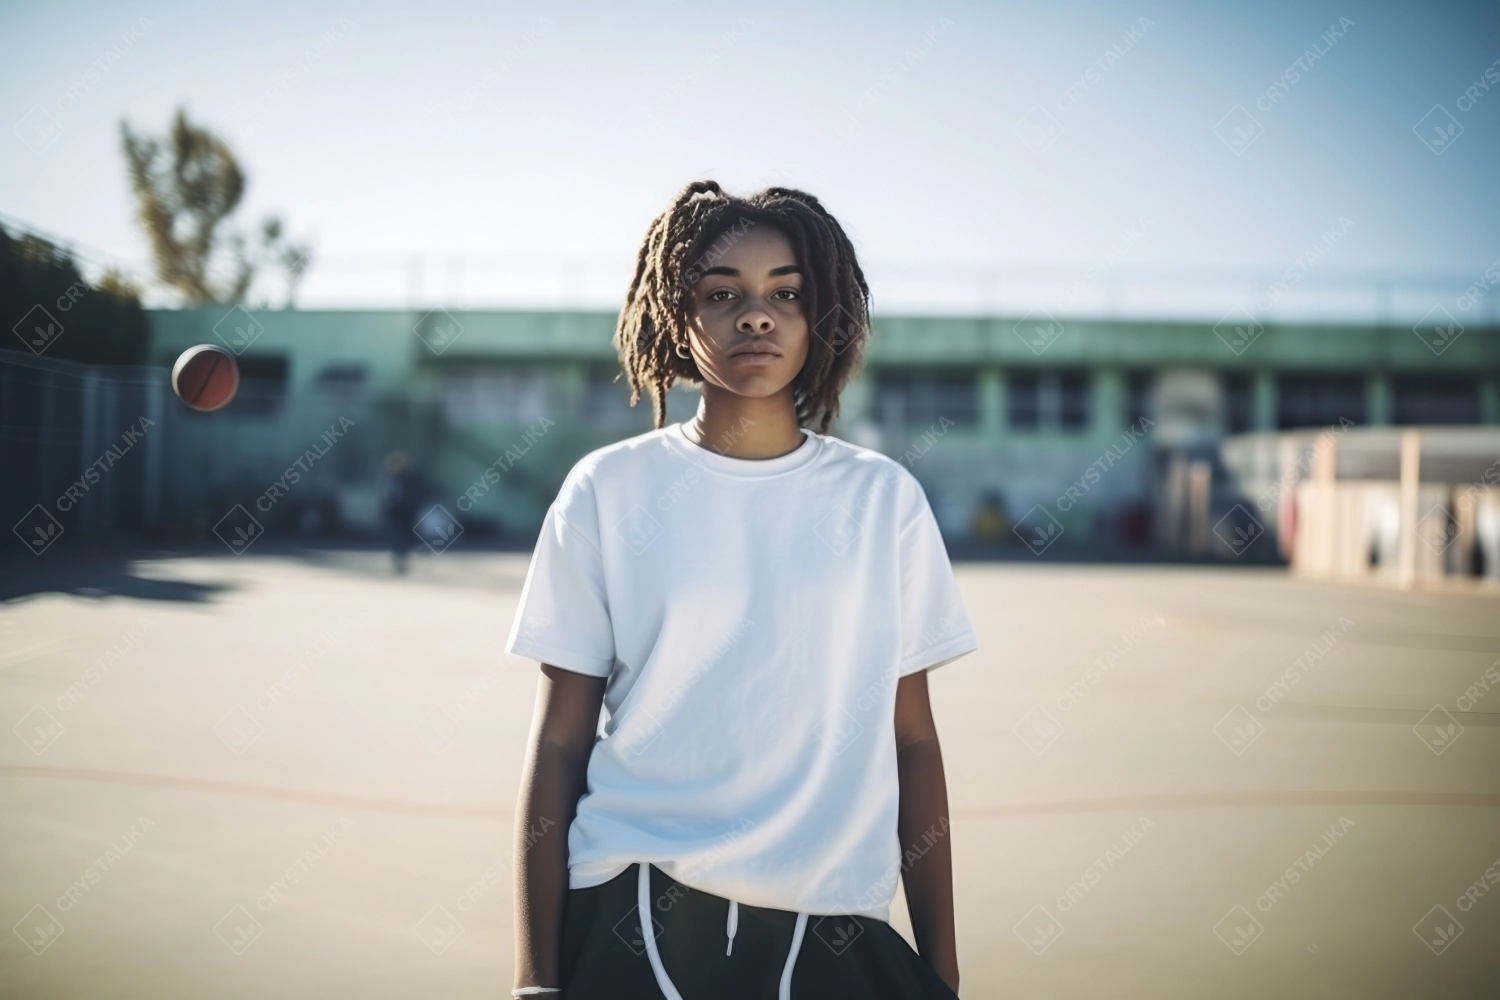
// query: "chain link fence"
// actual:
[[82, 449], [106, 453]]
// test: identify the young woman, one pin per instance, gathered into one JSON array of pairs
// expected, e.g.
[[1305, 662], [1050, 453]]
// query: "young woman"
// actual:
[[755, 604]]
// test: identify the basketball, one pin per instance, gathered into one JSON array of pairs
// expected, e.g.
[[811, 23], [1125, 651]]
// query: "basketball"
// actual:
[[205, 377]]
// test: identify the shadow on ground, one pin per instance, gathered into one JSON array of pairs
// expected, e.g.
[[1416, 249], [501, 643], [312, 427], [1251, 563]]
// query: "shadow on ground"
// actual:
[[101, 572], [106, 570]]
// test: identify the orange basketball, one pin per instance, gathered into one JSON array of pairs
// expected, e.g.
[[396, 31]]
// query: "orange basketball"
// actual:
[[205, 377]]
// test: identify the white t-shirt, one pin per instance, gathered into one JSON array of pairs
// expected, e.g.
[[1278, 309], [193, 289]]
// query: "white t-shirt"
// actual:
[[752, 617]]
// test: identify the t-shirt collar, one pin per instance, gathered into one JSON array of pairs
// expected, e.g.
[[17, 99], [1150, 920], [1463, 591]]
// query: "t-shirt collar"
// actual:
[[744, 468]]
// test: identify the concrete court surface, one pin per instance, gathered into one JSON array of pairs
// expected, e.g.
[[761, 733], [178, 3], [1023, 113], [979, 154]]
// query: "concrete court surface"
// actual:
[[294, 776]]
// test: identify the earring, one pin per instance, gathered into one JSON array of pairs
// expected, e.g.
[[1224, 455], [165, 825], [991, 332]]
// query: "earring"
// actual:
[[685, 355]]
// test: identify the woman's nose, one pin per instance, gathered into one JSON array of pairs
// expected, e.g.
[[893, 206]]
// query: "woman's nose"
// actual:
[[756, 321]]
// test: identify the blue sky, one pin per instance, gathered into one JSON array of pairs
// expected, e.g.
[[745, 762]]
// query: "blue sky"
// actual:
[[478, 135]]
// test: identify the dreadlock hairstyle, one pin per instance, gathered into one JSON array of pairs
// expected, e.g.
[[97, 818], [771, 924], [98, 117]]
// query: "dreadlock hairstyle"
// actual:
[[658, 306]]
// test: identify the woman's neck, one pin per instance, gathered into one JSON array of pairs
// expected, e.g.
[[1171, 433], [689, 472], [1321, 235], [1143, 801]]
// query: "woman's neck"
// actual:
[[743, 426]]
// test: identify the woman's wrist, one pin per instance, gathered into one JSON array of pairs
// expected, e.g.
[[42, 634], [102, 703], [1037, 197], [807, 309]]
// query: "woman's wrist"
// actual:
[[531, 984], [946, 966], [539, 976]]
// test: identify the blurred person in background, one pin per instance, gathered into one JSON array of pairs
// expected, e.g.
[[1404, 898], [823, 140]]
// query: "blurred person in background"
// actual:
[[989, 518], [400, 495]]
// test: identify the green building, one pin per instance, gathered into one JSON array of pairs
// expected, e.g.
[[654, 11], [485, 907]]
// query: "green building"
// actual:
[[995, 416]]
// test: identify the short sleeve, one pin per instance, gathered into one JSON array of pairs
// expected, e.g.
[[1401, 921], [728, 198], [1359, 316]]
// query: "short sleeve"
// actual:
[[935, 627], [563, 617]]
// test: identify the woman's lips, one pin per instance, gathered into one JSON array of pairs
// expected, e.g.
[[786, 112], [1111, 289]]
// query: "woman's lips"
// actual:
[[756, 357]]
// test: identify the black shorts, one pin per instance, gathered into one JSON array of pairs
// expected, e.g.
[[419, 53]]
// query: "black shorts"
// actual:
[[606, 957]]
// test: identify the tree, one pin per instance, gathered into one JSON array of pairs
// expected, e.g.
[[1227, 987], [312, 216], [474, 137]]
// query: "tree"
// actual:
[[293, 258], [187, 185], [61, 314]]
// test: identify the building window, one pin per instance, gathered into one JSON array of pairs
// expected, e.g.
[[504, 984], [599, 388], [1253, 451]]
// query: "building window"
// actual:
[[1435, 399], [477, 397], [1137, 397], [1238, 403], [344, 387], [1022, 401], [1319, 400], [921, 398], [606, 399], [1049, 400], [1073, 400], [262, 385]]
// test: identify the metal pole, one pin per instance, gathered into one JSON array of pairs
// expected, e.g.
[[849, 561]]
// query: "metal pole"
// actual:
[[110, 420], [152, 498], [1411, 459], [89, 384], [1325, 474], [47, 433]]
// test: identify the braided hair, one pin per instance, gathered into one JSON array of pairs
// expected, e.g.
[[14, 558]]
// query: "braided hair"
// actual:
[[835, 297]]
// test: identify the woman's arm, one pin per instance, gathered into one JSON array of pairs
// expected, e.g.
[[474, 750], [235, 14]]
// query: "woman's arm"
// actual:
[[553, 780], [926, 843]]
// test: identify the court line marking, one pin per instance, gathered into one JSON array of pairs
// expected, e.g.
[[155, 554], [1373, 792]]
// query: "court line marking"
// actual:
[[35, 651], [244, 789], [439, 810], [1360, 714], [1230, 800]]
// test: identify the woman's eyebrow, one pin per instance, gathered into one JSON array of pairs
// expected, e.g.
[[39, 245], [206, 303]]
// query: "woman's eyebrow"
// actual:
[[733, 272]]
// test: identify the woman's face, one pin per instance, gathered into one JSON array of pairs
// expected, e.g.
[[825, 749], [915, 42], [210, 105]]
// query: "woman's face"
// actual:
[[748, 332]]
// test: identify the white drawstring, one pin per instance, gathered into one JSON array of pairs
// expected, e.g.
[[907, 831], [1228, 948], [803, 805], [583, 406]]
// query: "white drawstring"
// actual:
[[785, 992], [643, 912], [643, 908]]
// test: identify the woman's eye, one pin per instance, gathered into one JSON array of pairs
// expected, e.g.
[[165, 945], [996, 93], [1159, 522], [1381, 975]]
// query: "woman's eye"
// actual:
[[720, 295], [786, 294]]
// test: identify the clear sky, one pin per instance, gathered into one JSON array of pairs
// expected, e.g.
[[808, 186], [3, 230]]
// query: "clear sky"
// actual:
[[480, 134]]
